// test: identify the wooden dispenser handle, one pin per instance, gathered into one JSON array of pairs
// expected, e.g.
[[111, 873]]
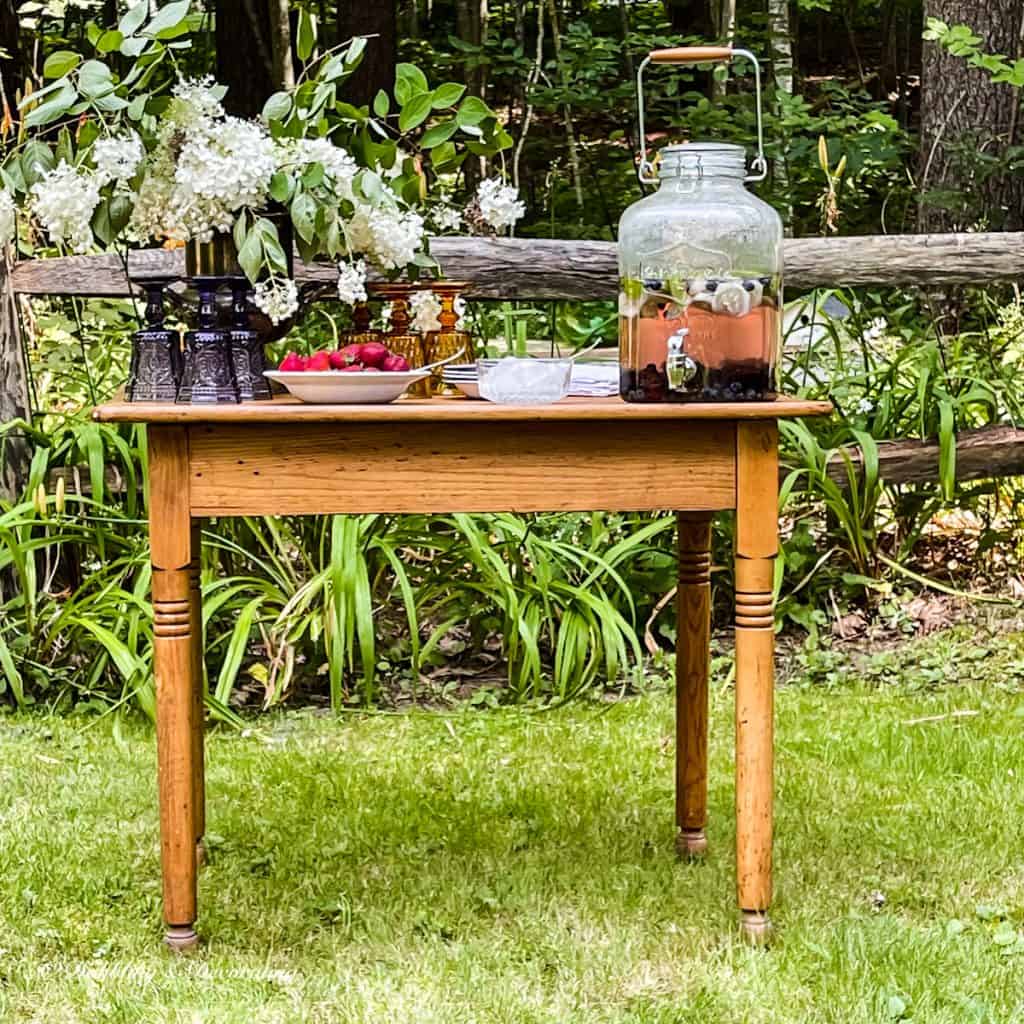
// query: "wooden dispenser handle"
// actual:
[[690, 54]]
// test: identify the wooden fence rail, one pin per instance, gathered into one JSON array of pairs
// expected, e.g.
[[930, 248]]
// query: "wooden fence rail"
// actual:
[[520, 268], [541, 269]]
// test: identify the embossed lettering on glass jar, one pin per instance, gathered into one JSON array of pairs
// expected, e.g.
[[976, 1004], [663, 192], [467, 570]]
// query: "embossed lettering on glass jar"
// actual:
[[700, 283]]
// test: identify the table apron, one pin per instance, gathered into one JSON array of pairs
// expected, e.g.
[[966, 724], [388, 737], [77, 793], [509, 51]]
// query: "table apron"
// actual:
[[317, 468]]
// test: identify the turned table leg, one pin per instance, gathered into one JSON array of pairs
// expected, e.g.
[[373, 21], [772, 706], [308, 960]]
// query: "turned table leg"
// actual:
[[174, 661], [756, 548], [693, 635], [198, 691]]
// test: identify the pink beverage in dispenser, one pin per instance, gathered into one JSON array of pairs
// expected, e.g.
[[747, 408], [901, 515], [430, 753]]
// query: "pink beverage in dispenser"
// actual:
[[700, 272]]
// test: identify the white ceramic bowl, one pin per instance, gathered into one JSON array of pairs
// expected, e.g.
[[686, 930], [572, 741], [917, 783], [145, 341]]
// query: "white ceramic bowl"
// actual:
[[334, 387]]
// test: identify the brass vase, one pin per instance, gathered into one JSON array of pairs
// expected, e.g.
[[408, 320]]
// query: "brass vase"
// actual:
[[448, 340]]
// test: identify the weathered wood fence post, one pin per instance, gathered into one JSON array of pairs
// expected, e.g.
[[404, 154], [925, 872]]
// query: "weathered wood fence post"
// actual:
[[14, 399]]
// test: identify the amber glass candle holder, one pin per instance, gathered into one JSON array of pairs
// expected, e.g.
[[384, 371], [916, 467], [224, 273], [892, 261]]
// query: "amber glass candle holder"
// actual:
[[401, 339], [448, 340], [360, 333]]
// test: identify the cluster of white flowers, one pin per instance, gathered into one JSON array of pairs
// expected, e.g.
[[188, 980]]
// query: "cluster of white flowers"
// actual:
[[221, 172], [205, 168], [195, 103], [425, 307], [278, 298], [7, 222], [64, 202], [500, 205], [865, 406], [447, 218], [876, 329], [118, 158], [391, 237], [352, 282], [338, 164]]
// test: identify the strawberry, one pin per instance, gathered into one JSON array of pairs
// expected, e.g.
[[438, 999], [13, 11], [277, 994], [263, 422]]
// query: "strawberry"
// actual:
[[292, 363], [373, 353], [318, 362], [395, 364], [338, 360], [352, 368]]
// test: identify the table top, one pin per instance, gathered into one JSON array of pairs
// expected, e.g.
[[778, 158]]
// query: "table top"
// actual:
[[445, 410]]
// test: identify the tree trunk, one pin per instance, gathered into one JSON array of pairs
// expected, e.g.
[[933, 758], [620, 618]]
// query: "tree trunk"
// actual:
[[964, 114], [377, 70], [14, 402], [780, 41], [12, 67], [691, 18], [244, 38], [471, 26], [570, 134]]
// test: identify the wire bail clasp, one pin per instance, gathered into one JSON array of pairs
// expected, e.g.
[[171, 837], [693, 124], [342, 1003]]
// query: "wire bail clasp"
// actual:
[[698, 55]]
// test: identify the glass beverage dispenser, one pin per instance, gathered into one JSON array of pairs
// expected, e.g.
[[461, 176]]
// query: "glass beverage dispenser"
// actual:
[[700, 269]]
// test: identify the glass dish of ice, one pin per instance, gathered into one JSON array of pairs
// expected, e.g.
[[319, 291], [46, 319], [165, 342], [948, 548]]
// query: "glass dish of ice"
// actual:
[[530, 381]]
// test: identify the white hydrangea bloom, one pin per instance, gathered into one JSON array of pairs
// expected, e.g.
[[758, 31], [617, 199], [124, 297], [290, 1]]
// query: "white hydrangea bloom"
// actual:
[[278, 298], [500, 205], [195, 188], [194, 104], [7, 221], [447, 218], [118, 158], [232, 166], [352, 282], [64, 202], [425, 307], [390, 237]]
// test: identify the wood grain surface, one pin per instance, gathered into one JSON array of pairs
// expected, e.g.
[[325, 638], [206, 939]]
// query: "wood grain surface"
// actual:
[[174, 662], [264, 469], [533, 268], [442, 410], [693, 638], [756, 548]]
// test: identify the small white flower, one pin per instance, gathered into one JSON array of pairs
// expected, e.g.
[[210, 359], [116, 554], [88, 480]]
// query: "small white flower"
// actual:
[[278, 298], [865, 406], [64, 201], [117, 158], [426, 308], [352, 282], [7, 222], [876, 329], [447, 218], [500, 205]]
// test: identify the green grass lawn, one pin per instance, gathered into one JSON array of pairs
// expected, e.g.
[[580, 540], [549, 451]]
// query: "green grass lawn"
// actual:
[[518, 867]]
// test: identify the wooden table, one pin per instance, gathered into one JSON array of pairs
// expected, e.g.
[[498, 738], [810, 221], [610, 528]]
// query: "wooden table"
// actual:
[[283, 458]]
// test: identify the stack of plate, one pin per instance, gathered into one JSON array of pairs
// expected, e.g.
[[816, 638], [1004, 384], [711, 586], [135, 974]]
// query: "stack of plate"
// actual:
[[589, 380]]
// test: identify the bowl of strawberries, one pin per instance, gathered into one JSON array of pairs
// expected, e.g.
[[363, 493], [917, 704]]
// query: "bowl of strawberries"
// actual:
[[368, 373]]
